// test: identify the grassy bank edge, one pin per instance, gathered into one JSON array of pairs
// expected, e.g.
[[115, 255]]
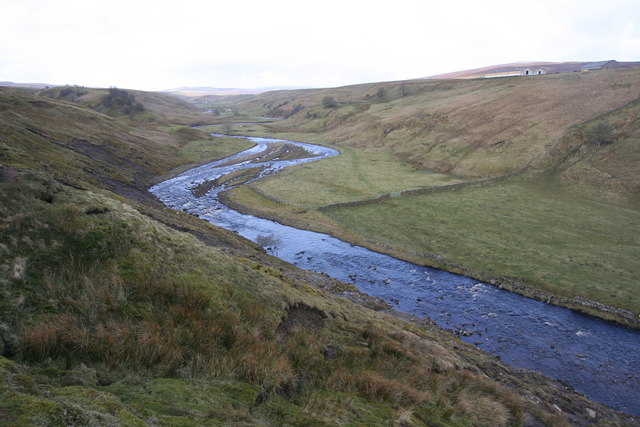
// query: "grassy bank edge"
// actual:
[[577, 303]]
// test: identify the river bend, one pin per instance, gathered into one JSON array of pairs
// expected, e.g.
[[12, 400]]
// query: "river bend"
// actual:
[[597, 358]]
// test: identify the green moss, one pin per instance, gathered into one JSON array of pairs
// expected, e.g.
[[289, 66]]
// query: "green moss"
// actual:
[[175, 397], [7, 367], [88, 397], [327, 409], [284, 413], [23, 410]]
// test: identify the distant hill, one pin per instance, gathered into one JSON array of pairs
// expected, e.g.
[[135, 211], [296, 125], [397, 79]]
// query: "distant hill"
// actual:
[[468, 127], [549, 67], [144, 106], [27, 85], [217, 91]]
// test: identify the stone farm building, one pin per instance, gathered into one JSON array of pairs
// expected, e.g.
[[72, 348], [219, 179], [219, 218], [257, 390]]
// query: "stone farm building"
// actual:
[[601, 65], [516, 72]]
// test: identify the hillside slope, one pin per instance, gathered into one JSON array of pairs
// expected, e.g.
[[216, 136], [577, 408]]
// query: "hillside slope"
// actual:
[[472, 128], [131, 104], [548, 67], [563, 230], [109, 316]]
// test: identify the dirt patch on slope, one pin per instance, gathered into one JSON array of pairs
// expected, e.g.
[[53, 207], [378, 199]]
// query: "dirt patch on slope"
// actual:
[[300, 316]]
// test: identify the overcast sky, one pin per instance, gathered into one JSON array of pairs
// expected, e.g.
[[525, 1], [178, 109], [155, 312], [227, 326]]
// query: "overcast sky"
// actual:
[[155, 45]]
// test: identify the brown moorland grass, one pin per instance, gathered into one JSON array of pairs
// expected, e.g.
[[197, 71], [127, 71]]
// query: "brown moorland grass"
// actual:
[[472, 128], [155, 107], [83, 147], [108, 316], [105, 303]]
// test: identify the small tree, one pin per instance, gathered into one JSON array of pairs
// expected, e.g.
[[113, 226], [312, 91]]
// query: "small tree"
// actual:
[[329, 102], [121, 101], [600, 133]]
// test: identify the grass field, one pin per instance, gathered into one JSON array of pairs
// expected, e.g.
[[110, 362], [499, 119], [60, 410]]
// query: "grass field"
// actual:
[[212, 149], [355, 174], [527, 229], [568, 228]]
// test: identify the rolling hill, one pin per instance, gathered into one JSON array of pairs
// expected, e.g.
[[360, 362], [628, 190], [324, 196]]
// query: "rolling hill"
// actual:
[[564, 147], [118, 311], [472, 128], [548, 67]]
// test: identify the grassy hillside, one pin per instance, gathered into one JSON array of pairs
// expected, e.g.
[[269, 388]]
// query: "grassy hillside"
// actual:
[[563, 229], [473, 128], [136, 105], [115, 310]]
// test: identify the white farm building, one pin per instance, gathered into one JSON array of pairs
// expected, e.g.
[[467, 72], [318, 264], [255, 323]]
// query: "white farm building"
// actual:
[[516, 72]]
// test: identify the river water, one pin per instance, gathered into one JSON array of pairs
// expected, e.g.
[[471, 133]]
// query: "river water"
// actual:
[[599, 359]]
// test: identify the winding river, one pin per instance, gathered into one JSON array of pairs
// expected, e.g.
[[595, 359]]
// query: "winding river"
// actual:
[[599, 359]]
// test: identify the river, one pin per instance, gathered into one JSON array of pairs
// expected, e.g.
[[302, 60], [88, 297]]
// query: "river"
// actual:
[[597, 358]]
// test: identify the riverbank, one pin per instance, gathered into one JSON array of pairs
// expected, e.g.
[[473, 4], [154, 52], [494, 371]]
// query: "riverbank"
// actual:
[[580, 304], [523, 332], [528, 232], [252, 201], [110, 317]]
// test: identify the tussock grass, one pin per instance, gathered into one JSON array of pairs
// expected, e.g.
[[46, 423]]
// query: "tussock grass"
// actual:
[[112, 317], [106, 302]]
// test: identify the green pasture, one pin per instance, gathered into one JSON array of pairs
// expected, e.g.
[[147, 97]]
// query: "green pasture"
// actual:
[[354, 175], [215, 148], [528, 229]]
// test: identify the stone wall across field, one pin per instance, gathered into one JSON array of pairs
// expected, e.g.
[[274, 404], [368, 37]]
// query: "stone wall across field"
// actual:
[[275, 199], [425, 190]]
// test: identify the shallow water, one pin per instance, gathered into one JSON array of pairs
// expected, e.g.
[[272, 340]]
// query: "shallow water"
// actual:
[[597, 358]]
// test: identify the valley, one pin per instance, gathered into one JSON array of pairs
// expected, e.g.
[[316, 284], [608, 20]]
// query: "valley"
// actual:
[[117, 310], [563, 230], [521, 331]]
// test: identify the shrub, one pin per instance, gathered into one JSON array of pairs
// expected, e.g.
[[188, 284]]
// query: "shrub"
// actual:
[[121, 100], [329, 102], [600, 133], [71, 93]]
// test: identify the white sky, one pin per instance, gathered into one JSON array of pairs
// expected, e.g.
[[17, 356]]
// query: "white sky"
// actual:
[[155, 45]]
